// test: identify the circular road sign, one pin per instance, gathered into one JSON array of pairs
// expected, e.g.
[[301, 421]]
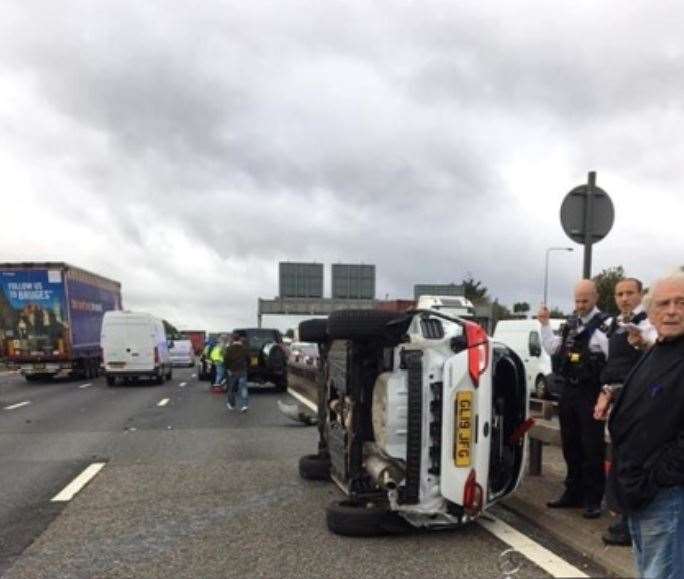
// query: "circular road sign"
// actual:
[[573, 211]]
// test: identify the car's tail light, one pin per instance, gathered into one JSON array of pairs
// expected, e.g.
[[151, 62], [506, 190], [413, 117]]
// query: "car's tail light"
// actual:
[[472, 495], [156, 355], [478, 351]]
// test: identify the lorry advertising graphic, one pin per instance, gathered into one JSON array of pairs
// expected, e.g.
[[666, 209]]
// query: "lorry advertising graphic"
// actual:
[[51, 316]]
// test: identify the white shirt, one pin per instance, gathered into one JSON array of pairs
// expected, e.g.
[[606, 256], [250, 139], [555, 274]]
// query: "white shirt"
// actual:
[[646, 329], [597, 343]]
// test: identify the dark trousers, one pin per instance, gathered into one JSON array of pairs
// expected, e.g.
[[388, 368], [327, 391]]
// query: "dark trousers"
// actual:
[[584, 447]]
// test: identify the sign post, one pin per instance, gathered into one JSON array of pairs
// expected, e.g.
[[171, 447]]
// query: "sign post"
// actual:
[[587, 215]]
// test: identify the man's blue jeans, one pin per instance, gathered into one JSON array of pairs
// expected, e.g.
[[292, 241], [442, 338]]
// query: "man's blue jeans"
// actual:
[[238, 385], [219, 373], [658, 535]]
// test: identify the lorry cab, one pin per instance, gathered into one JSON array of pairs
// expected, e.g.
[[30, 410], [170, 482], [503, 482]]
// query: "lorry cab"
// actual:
[[134, 346], [524, 338]]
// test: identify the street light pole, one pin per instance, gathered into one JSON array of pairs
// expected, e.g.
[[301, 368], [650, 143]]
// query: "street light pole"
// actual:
[[546, 270]]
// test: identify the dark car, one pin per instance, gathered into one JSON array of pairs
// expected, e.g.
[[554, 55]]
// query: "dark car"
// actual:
[[268, 356]]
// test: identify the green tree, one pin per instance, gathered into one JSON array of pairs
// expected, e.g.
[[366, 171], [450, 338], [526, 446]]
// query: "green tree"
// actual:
[[521, 307], [475, 291], [290, 333], [172, 332], [557, 313], [605, 284]]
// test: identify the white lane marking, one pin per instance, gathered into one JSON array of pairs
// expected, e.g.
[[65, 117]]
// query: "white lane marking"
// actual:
[[19, 405], [163, 402], [540, 556], [85, 385], [69, 491], [297, 396], [183, 384]]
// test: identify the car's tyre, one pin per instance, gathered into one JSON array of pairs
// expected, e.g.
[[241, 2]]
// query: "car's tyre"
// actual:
[[281, 383], [160, 378], [169, 374], [358, 519], [366, 324], [315, 330], [541, 390], [111, 380], [33, 377], [314, 467]]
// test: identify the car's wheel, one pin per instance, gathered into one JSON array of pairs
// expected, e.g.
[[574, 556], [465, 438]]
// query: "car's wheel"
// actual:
[[169, 374], [160, 378], [111, 380], [360, 519], [281, 383], [314, 467], [315, 330], [366, 324], [541, 390], [32, 377]]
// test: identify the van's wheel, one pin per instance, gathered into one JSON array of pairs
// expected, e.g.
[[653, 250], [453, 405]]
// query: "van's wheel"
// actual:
[[541, 390], [315, 330], [169, 375], [366, 324], [159, 378], [360, 519], [111, 380], [314, 467]]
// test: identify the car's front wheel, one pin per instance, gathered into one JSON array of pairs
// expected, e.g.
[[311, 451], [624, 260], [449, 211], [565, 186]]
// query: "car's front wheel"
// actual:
[[314, 467], [360, 519]]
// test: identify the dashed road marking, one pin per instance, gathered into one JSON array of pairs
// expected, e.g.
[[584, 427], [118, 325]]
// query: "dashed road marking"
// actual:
[[69, 491], [85, 385], [18, 405], [183, 384], [297, 396], [163, 402], [540, 556]]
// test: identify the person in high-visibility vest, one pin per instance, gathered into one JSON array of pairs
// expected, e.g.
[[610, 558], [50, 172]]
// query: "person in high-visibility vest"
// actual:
[[216, 357]]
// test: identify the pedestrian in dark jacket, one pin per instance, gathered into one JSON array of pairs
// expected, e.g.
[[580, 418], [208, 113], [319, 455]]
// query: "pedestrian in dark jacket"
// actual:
[[236, 361], [647, 431]]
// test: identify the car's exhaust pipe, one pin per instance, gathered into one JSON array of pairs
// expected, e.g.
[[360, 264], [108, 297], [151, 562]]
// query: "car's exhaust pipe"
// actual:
[[386, 473]]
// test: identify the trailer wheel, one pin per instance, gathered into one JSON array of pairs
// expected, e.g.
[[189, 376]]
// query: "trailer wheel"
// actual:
[[360, 519], [111, 380]]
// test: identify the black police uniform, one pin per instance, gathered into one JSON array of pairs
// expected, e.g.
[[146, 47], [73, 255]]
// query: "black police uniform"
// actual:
[[582, 436]]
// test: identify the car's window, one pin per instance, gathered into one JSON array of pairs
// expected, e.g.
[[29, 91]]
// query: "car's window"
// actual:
[[259, 338]]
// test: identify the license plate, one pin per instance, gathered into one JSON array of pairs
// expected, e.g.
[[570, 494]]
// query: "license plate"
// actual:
[[255, 360], [117, 364], [463, 431]]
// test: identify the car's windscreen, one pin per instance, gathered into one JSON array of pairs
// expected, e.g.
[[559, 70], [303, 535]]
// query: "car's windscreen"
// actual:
[[259, 338]]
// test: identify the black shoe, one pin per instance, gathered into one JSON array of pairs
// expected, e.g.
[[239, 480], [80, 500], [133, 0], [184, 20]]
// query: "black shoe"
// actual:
[[592, 512], [565, 502], [618, 534]]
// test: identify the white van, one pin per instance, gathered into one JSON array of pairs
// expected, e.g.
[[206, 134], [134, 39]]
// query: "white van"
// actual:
[[455, 306], [524, 338], [134, 346]]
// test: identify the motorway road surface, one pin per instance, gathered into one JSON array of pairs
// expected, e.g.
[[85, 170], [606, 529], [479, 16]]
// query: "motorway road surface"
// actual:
[[190, 489]]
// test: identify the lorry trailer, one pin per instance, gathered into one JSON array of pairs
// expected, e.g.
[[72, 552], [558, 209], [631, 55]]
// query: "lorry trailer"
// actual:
[[51, 317]]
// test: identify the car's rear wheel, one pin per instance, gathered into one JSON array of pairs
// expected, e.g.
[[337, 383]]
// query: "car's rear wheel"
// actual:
[[315, 330], [111, 380], [361, 519], [366, 324], [541, 389], [159, 378], [314, 467]]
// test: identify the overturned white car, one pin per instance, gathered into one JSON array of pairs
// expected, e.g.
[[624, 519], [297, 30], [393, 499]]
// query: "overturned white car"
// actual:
[[422, 419]]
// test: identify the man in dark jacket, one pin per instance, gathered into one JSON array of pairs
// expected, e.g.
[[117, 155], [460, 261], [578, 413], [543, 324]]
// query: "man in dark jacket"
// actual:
[[647, 430], [236, 361]]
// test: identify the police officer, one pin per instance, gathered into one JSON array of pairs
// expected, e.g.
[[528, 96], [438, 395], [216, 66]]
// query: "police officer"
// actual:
[[578, 357], [629, 335]]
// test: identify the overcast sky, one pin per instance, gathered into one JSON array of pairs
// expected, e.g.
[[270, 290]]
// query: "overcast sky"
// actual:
[[186, 148]]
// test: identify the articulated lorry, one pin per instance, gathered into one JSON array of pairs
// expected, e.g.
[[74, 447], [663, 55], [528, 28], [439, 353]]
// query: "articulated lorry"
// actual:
[[51, 317]]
